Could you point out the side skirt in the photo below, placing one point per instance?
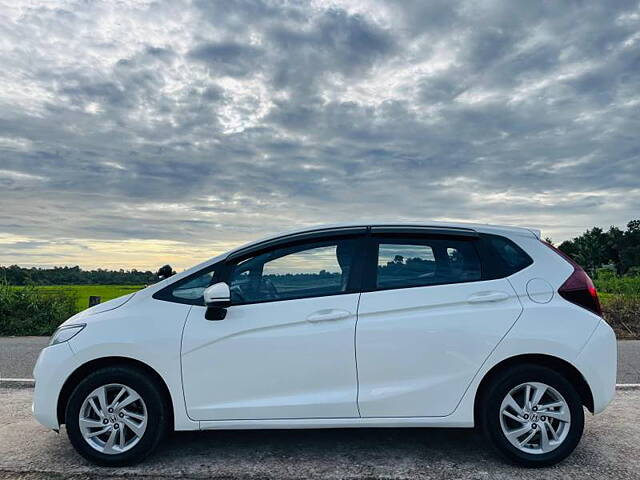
(300, 423)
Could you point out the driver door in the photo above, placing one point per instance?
(286, 347)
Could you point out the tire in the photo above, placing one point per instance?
(136, 425)
(566, 419)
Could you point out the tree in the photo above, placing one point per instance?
(630, 246)
(595, 248)
(165, 272)
(615, 243)
(633, 227)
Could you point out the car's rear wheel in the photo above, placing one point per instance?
(116, 416)
(532, 415)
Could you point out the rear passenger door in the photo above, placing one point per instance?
(431, 313)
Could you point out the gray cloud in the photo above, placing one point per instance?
(231, 59)
(208, 124)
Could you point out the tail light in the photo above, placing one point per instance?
(579, 288)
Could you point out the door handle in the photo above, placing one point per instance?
(327, 315)
(483, 297)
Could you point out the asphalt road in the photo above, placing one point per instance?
(610, 449)
(18, 356)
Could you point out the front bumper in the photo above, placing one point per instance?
(53, 367)
(598, 362)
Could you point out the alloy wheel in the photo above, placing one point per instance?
(535, 418)
(113, 418)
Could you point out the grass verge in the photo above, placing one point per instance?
(39, 310)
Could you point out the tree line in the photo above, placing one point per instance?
(615, 249)
(16, 275)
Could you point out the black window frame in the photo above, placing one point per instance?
(328, 238)
(410, 237)
(363, 277)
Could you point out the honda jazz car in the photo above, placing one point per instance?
(358, 325)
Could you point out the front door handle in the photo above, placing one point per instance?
(328, 315)
(482, 297)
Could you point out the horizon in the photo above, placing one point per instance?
(143, 133)
(198, 261)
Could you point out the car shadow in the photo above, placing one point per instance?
(349, 451)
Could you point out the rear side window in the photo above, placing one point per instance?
(413, 263)
(501, 257)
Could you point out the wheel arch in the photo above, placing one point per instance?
(569, 371)
(83, 370)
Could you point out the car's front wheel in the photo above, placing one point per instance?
(116, 416)
(533, 415)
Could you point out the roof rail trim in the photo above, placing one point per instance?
(294, 237)
(457, 231)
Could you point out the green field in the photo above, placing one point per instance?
(620, 300)
(83, 292)
(618, 285)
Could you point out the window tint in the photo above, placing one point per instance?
(513, 256)
(429, 262)
(405, 264)
(311, 270)
(502, 257)
(193, 288)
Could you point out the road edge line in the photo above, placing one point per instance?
(627, 386)
(17, 382)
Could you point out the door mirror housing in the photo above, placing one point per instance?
(217, 298)
(217, 295)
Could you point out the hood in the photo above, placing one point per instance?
(101, 307)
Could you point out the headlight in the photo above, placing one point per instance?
(64, 334)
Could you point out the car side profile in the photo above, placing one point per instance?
(353, 325)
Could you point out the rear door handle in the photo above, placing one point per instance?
(482, 297)
(328, 315)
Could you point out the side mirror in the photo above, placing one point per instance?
(217, 295)
(217, 298)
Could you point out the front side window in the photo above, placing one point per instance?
(311, 270)
(193, 288)
(412, 263)
(190, 290)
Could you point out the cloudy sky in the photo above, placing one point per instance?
(135, 133)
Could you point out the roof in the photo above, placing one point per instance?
(475, 227)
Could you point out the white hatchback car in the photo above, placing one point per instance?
(439, 325)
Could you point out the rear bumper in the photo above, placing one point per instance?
(598, 362)
(50, 373)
